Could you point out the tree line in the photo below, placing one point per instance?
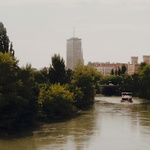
(29, 96)
(138, 83)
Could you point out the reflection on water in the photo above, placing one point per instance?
(108, 125)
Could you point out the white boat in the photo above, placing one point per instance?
(126, 97)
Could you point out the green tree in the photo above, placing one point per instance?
(11, 104)
(116, 71)
(119, 71)
(112, 72)
(110, 89)
(142, 65)
(144, 76)
(135, 84)
(127, 83)
(68, 76)
(86, 79)
(116, 80)
(123, 69)
(56, 102)
(41, 76)
(4, 39)
(57, 70)
(17, 97)
(29, 91)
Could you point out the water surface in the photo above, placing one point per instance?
(108, 125)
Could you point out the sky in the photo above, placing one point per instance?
(111, 30)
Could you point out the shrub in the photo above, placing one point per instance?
(56, 102)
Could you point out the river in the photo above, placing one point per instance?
(108, 125)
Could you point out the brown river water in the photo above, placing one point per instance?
(108, 125)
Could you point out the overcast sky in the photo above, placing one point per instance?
(111, 30)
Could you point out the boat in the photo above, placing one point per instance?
(126, 97)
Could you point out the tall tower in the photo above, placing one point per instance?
(74, 52)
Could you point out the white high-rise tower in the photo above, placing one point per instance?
(74, 52)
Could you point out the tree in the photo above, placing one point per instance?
(41, 76)
(4, 39)
(112, 72)
(85, 78)
(135, 84)
(68, 75)
(116, 80)
(57, 70)
(18, 99)
(119, 71)
(11, 104)
(116, 71)
(109, 81)
(29, 91)
(56, 102)
(142, 65)
(123, 69)
(127, 83)
(144, 76)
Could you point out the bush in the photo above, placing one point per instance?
(56, 102)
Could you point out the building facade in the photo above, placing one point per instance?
(134, 60)
(134, 66)
(107, 67)
(146, 59)
(74, 52)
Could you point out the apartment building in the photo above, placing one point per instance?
(134, 66)
(106, 68)
(146, 58)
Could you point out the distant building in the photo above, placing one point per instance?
(134, 60)
(134, 66)
(106, 68)
(74, 52)
(146, 58)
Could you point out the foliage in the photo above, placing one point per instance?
(142, 65)
(111, 85)
(29, 91)
(41, 76)
(127, 84)
(114, 79)
(85, 78)
(8, 90)
(144, 77)
(57, 70)
(119, 71)
(68, 76)
(56, 102)
(4, 39)
(135, 84)
(123, 69)
(112, 72)
(138, 83)
(17, 109)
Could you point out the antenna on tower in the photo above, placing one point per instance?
(73, 31)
